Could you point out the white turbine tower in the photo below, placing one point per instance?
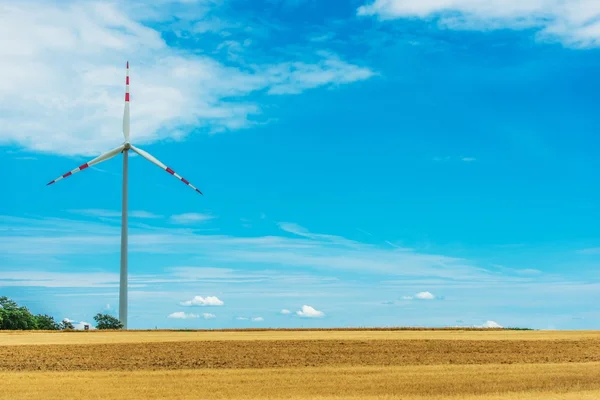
(124, 148)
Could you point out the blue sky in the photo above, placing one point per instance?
(396, 162)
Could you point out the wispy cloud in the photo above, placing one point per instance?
(253, 319)
(574, 22)
(448, 158)
(285, 312)
(67, 71)
(590, 251)
(182, 315)
(29, 237)
(190, 218)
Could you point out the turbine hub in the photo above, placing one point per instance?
(127, 146)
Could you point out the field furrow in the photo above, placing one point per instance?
(291, 353)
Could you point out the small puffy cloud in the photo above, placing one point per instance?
(190, 218)
(81, 325)
(420, 296)
(491, 324)
(309, 312)
(424, 296)
(208, 316)
(182, 315)
(285, 312)
(242, 318)
(203, 301)
(258, 319)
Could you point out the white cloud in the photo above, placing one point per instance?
(63, 78)
(208, 316)
(424, 296)
(301, 231)
(49, 238)
(190, 218)
(285, 312)
(309, 312)
(574, 22)
(295, 77)
(182, 315)
(491, 324)
(60, 279)
(81, 325)
(420, 296)
(203, 301)
(253, 319)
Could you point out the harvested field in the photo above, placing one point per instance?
(106, 337)
(535, 381)
(301, 365)
(291, 353)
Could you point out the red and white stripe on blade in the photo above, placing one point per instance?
(126, 125)
(156, 162)
(106, 156)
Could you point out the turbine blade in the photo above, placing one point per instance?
(106, 156)
(156, 162)
(126, 126)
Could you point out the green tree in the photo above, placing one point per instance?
(13, 317)
(105, 321)
(46, 322)
(65, 325)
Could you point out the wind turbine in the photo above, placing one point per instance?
(124, 148)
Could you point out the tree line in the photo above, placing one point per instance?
(15, 317)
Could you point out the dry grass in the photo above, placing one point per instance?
(370, 365)
(540, 381)
(82, 337)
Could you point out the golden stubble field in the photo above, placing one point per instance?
(363, 364)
